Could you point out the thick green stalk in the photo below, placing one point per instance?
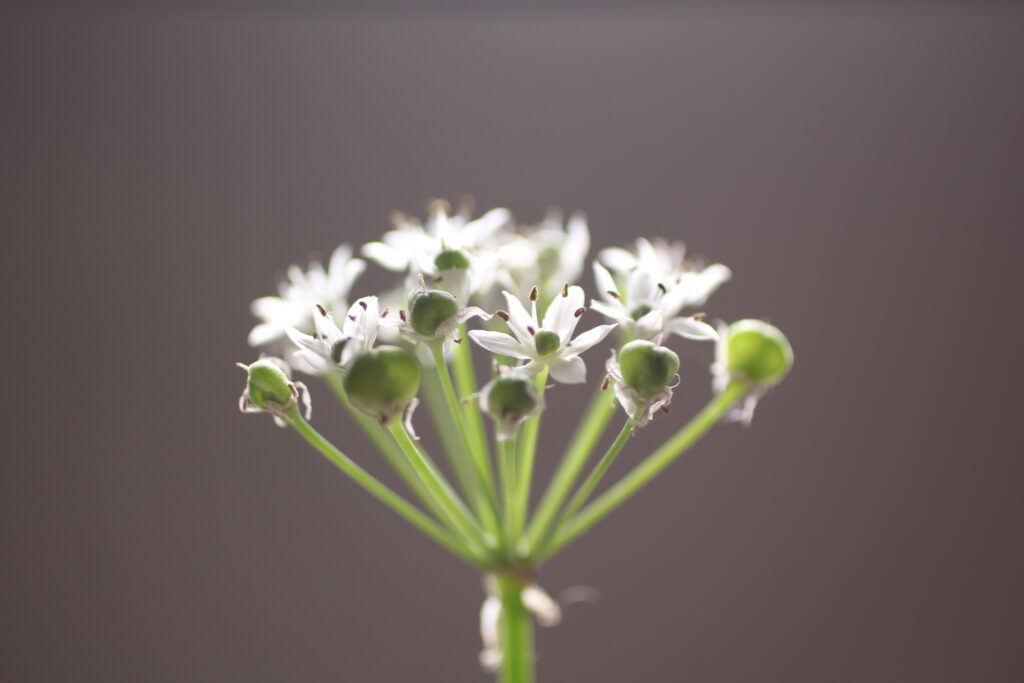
(454, 509)
(516, 633)
(507, 463)
(461, 547)
(591, 482)
(527, 455)
(649, 468)
(599, 412)
(481, 462)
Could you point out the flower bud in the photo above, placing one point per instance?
(268, 383)
(757, 352)
(381, 382)
(647, 368)
(510, 399)
(451, 259)
(430, 309)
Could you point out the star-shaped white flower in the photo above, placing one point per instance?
(649, 306)
(660, 258)
(547, 343)
(330, 348)
(414, 248)
(303, 290)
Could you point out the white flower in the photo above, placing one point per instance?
(650, 306)
(330, 348)
(301, 291)
(412, 247)
(660, 258)
(548, 343)
(640, 410)
(548, 254)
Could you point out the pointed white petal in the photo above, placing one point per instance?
(650, 324)
(499, 342)
(615, 312)
(386, 256)
(617, 259)
(519, 319)
(692, 328)
(589, 338)
(561, 314)
(570, 370)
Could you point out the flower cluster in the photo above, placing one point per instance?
(519, 287)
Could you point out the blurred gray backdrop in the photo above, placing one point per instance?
(859, 167)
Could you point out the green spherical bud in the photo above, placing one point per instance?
(429, 309)
(451, 259)
(511, 397)
(647, 368)
(546, 342)
(757, 352)
(269, 383)
(640, 311)
(382, 381)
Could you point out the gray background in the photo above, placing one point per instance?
(858, 167)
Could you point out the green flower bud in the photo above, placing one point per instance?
(269, 383)
(510, 399)
(647, 368)
(381, 382)
(546, 342)
(429, 309)
(451, 259)
(757, 352)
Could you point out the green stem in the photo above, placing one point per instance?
(384, 494)
(591, 482)
(481, 462)
(599, 412)
(527, 455)
(454, 509)
(465, 382)
(649, 468)
(516, 633)
(437, 405)
(380, 438)
(507, 462)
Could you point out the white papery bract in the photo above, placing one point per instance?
(649, 305)
(330, 348)
(546, 343)
(548, 254)
(301, 291)
(412, 247)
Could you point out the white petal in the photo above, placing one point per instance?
(650, 324)
(613, 311)
(561, 314)
(386, 256)
(590, 338)
(692, 328)
(617, 259)
(499, 342)
(519, 319)
(263, 334)
(641, 288)
(605, 282)
(570, 370)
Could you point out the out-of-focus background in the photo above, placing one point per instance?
(859, 167)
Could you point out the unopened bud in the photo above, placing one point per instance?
(757, 352)
(268, 383)
(381, 382)
(430, 309)
(510, 399)
(647, 368)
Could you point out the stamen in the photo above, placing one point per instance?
(699, 317)
(295, 392)
(612, 293)
(565, 289)
(363, 304)
(663, 288)
(322, 310)
(604, 384)
(385, 313)
(351, 317)
(401, 314)
(530, 329)
(580, 311)
(664, 409)
(457, 340)
(534, 293)
(502, 314)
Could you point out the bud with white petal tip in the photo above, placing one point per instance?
(647, 368)
(510, 399)
(756, 353)
(382, 382)
(270, 388)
